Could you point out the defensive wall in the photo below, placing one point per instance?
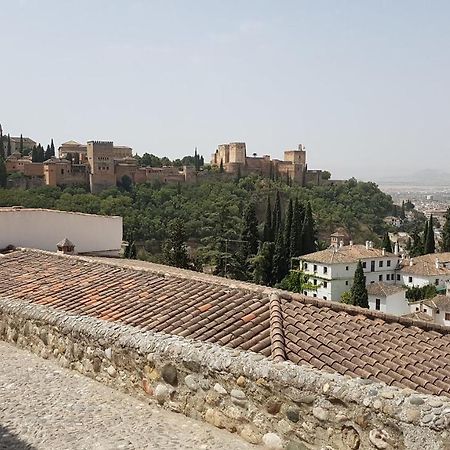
(277, 403)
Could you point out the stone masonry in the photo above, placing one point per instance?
(279, 404)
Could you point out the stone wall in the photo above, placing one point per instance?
(279, 404)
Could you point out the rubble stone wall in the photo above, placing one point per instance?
(281, 405)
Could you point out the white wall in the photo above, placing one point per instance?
(422, 280)
(43, 229)
(392, 304)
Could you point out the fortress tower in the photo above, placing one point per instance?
(100, 155)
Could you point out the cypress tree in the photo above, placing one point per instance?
(296, 240)
(387, 245)
(309, 239)
(34, 154)
(268, 230)
(446, 233)
(249, 232)
(417, 245)
(280, 262)
(221, 166)
(48, 153)
(52, 148)
(358, 292)
(424, 238)
(8, 148)
(2, 145)
(402, 211)
(21, 145)
(288, 230)
(430, 243)
(3, 174)
(276, 217)
(263, 264)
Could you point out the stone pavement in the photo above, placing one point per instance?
(43, 406)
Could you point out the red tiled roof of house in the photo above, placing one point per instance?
(325, 335)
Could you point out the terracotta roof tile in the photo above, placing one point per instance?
(324, 335)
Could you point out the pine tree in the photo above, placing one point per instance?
(276, 216)
(174, 250)
(263, 263)
(3, 174)
(309, 240)
(249, 232)
(268, 230)
(8, 148)
(21, 145)
(288, 230)
(430, 242)
(358, 292)
(296, 240)
(387, 245)
(446, 233)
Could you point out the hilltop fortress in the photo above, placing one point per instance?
(101, 165)
(234, 160)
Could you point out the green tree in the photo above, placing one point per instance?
(280, 259)
(21, 145)
(430, 242)
(417, 245)
(446, 233)
(221, 170)
(402, 211)
(276, 215)
(268, 230)
(3, 174)
(263, 264)
(8, 146)
(359, 296)
(346, 297)
(293, 282)
(2, 145)
(288, 230)
(296, 241)
(249, 232)
(309, 242)
(174, 249)
(387, 245)
(126, 183)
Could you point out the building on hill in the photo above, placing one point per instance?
(432, 269)
(331, 271)
(436, 308)
(16, 163)
(285, 327)
(233, 157)
(90, 233)
(28, 144)
(388, 298)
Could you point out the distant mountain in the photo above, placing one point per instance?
(428, 177)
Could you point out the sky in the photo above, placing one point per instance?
(363, 84)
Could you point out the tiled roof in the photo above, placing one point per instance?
(345, 254)
(419, 315)
(326, 335)
(384, 289)
(426, 265)
(440, 301)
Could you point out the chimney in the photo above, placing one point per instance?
(341, 244)
(411, 262)
(367, 245)
(65, 247)
(383, 251)
(396, 249)
(437, 263)
(351, 243)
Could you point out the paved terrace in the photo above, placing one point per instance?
(43, 406)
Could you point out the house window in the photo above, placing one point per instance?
(325, 297)
(364, 265)
(425, 310)
(409, 279)
(417, 308)
(305, 293)
(325, 284)
(315, 267)
(447, 316)
(305, 266)
(377, 304)
(388, 277)
(380, 277)
(380, 264)
(436, 282)
(346, 283)
(315, 282)
(325, 270)
(346, 268)
(398, 277)
(314, 295)
(388, 263)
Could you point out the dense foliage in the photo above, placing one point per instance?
(212, 212)
(420, 293)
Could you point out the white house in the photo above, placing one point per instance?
(424, 270)
(331, 271)
(44, 228)
(436, 308)
(388, 298)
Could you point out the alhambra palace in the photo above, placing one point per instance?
(101, 165)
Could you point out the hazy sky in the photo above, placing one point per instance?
(363, 84)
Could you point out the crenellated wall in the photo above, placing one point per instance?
(279, 404)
